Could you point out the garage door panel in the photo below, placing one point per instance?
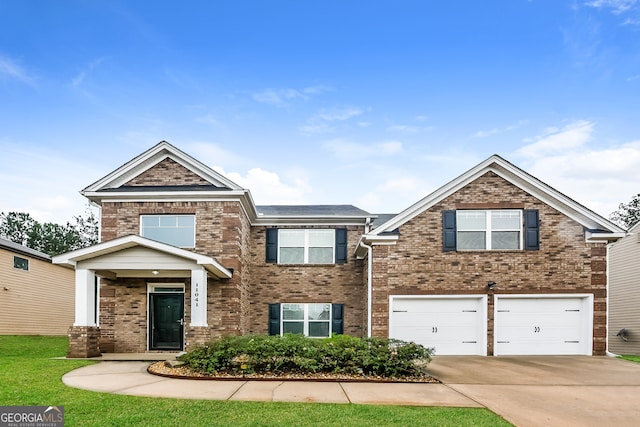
(545, 326)
(452, 326)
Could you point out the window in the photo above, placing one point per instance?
(311, 246)
(489, 230)
(176, 230)
(21, 263)
(312, 320)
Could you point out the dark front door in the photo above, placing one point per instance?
(166, 321)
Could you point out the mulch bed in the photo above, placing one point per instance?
(165, 369)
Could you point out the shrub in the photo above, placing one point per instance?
(296, 354)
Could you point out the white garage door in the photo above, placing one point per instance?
(453, 325)
(551, 325)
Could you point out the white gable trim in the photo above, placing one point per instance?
(152, 157)
(517, 177)
(71, 259)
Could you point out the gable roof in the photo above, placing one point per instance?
(70, 259)
(152, 157)
(23, 250)
(598, 228)
(112, 187)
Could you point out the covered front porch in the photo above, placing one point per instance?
(135, 295)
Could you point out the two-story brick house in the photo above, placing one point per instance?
(494, 262)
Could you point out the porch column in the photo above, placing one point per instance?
(84, 335)
(199, 297)
(86, 304)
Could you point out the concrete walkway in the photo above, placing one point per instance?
(132, 378)
(525, 390)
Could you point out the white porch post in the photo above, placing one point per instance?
(85, 298)
(199, 297)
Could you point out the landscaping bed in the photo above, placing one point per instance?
(293, 357)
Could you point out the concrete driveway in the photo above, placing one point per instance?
(547, 390)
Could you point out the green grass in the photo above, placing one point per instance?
(630, 358)
(29, 376)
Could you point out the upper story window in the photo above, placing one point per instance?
(489, 229)
(20, 263)
(310, 246)
(306, 246)
(176, 230)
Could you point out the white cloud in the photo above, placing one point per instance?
(213, 155)
(77, 81)
(598, 177)
(348, 150)
(267, 188)
(555, 140)
(403, 128)
(391, 147)
(494, 131)
(337, 114)
(282, 97)
(616, 6)
(394, 194)
(50, 190)
(208, 119)
(320, 122)
(14, 71)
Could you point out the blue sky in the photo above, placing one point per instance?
(369, 103)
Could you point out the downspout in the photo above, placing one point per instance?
(369, 285)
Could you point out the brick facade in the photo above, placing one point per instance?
(417, 265)
(336, 284)
(414, 265)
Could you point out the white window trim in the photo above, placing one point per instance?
(488, 229)
(306, 244)
(16, 257)
(174, 215)
(157, 287)
(305, 319)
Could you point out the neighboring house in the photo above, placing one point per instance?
(494, 262)
(624, 294)
(36, 297)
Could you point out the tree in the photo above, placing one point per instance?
(628, 214)
(50, 238)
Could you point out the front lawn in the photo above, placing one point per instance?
(630, 358)
(28, 376)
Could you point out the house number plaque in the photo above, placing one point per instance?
(196, 294)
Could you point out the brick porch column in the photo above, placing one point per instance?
(84, 335)
(84, 341)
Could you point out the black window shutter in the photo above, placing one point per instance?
(448, 231)
(274, 319)
(272, 245)
(531, 230)
(341, 245)
(337, 318)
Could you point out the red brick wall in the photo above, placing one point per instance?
(336, 284)
(417, 265)
(222, 232)
(167, 172)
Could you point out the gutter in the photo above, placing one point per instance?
(369, 285)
